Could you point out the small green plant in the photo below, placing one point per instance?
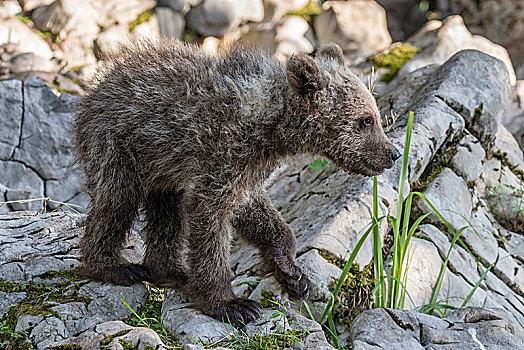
(318, 164)
(394, 60)
(9, 339)
(149, 316)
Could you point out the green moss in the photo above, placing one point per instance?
(394, 60)
(312, 8)
(66, 347)
(143, 17)
(280, 340)
(127, 346)
(190, 36)
(23, 19)
(356, 294)
(73, 275)
(332, 259)
(104, 343)
(267, 298)
(36, 309)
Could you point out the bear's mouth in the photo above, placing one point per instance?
(375, 169)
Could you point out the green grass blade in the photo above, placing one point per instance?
(348, 265)
(482, 278)
(400, 201)
(380, 295)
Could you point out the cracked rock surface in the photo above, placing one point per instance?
(36, 151)
(467, 328)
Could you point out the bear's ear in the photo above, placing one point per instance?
(303, 75)
(331, 51)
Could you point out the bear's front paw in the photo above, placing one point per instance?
(238, 311)
(297, 285)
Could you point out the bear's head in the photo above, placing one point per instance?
(339, 118)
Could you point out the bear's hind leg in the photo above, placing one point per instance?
(165, 240)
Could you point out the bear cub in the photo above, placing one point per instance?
(191, 138)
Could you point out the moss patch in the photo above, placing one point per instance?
(311, 9)
(143, 17)
(66, 347)
(267, 298)
(280, 340)
(356, 294)
(39, 299)
(394, 59)
(104, 343)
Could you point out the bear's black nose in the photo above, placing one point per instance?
(395, 155)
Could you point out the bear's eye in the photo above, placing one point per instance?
(367, 121)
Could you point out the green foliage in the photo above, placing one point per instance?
(318, 164)
(150, 316)
(9, 339)
(24, 19)
(312, 8)
(143, 17)
(394, 60)
(190, 36)
(356, 294)
(284, 338)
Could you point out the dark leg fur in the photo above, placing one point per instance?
(210, 280)
(164, 239)
(114, 207)
(260, 224)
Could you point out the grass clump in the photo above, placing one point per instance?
(9, 339)
(318, 164)
(150, 316)
(143, 17)
(394, 60)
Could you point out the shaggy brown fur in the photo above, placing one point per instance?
(191, 138)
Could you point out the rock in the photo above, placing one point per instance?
(75, 25)
(216, 18)
(47, 332)
(434, 94)
(284, 38)
(181, 6)
(29, 62)
(170, 23)
(500, 22)
(447, 185)
(274, 10)
(8, 300)
(471, 327)
(109, 39)
(347, 24)
(190, 325)
(423, 266)
(34, 245)
(467, 162)
(37, 147)
(18, 33)
(441, 40)
(501, 188)
(11, 100)
(404, 17)
(112, 334)
(506, 144)
(9, 8)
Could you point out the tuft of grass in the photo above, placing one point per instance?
(143, 17)
(150, 316)
(394, 60)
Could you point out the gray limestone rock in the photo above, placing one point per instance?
(465, 328)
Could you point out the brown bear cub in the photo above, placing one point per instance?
(191, 138)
